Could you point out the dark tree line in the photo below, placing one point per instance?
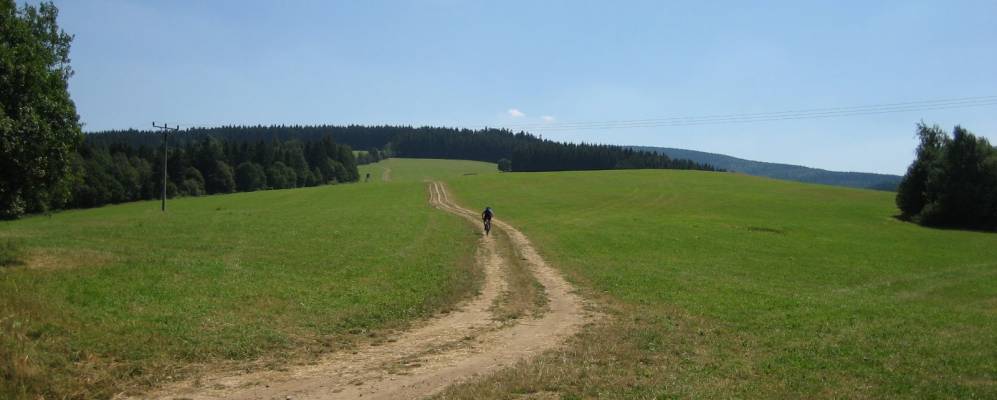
(952, 182)
(528, 153)
(120, 171)
(524, 151)
(119, 166)
(356, 136)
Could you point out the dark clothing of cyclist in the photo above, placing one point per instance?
(486, 217)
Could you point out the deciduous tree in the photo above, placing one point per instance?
(39, 127)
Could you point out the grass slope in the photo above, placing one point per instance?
(125, 296)
(724, 285)
(423, 169)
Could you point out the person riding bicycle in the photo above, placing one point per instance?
(486, 217)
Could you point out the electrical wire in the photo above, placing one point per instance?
(815, 113)
(721, 119)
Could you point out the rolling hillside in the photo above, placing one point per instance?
(126, 297)
(714, 285)
(732, 286)
(862, 180)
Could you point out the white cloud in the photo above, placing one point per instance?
(548, 118)
(515, 113)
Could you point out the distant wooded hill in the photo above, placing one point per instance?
(863, 180)
(118, 166)
(525, 152)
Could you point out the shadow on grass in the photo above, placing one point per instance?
(943, 227)
(11, 252)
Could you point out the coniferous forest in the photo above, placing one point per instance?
(119, 166)
(119, 171)
(526, 152)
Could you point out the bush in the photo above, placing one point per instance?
(191, 187)
(221, 179)
(249, 176)
(280, 176)
(11, 252)
(193, 182)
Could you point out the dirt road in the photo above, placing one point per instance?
(436, 353)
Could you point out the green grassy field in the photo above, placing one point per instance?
(126, 296)
(718, 285)
(724, 285)
(423, 169)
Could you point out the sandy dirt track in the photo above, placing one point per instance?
(436, 353)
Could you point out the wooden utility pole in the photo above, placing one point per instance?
(165, 128)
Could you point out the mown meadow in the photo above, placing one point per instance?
(723, 285)
(125, 297)
(425, 169)
(715, 284)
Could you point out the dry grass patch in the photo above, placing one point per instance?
(634, 354)
(53, 259)
(524, 296)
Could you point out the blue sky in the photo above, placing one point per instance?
(472, 63)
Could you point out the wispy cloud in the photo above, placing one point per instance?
(548, 118)
(515, 113)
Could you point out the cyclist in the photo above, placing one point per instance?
(486, 217)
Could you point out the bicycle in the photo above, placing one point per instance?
(486, 218)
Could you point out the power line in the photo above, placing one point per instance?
(895, 107)
(923, 103)
(814, 113)
(765, 119)
(722, 119)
